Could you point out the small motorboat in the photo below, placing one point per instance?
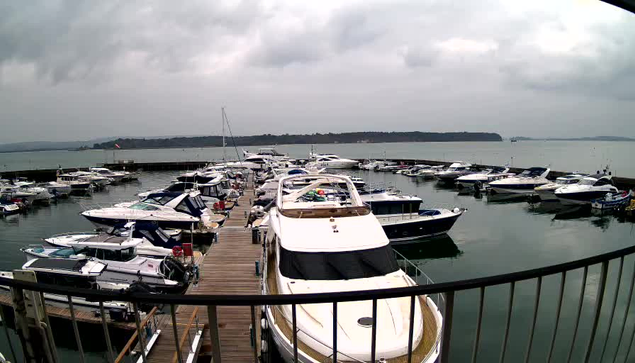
(430, 172)
(7, 207)
(612, 201)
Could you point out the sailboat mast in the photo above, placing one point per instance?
(223, 118)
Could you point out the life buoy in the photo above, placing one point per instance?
(177, 251)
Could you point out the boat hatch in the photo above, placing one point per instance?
(58, 264)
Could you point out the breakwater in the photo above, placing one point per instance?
(42, 175)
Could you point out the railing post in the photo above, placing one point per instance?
(6, 332)
(447, 326)
(294, 323)
(104, 324)
(598, 307)
(335, 331)
(533, 321)
(617, 293)
(479, 321)
(139, 332)
(626, 311)
(213, 333)
(577, 319)
(254, 332)
(373, 339)
(175, 331)
(411, 328)
(78, 340)
(558, 311)
(510, 305)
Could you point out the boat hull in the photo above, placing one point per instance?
(582, 198)
(514, 188)
(418, 227)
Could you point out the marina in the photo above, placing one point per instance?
(529, 229)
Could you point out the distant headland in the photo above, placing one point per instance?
(287, 139)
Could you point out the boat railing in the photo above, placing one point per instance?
(585, 294)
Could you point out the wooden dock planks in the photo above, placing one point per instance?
(227, 268)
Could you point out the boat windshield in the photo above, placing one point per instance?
(123, 255)
(337, 265)
(66, 252)
(588, 181)
(143, 206)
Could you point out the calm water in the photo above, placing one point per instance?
(560, 155)
(493, 237)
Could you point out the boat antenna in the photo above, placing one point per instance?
(231, 134)
(223, 121)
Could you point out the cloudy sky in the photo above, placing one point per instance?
(72, 70)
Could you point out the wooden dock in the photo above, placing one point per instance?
(228, 267)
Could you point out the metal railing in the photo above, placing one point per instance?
(594, 344)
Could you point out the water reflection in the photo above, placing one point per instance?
(499, 198)
(430, 248)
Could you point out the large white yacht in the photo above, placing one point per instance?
(547, 192)
(169, 210)
(524, 183)
(587, 190)
(324, 239)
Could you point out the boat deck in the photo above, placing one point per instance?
(228, 267)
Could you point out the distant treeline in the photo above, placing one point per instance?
(268, 139)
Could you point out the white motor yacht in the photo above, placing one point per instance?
(267, 153)
(524, 183)
(403, 221)
(332, 161)
(588, 189)
(430, 172)
(331, 242)
(79, 185)
(168, 210)
(57, 190)
(82, 273)
(123, 264)
(99, 181)
(152, 240)
(14, 192)
(547, 192)
(482, 179)
(455, 170)
(116, 176)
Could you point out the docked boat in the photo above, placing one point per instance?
(547, 192)
(123, 264)
(403, 221)
(13, 192)
(455, 170)
(588, 189)
(57, 190)
(79, 185)
(153, 241)
(332, 161)
(524, 183)
(7, 207)
(211, 192)
(266, 153)
(168, 210)
(98, 181)
(334, 245)
(116, 176)
(83, 273)
(414, 171)
(429, 173)
(612, 201)
(482, 179)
